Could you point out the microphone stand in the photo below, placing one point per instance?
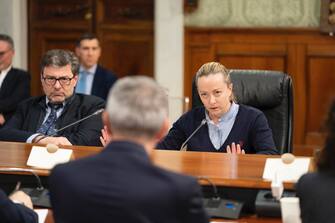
(215, 190)
(39, 195)
(16, 169)
(184, 145)
(71, 124)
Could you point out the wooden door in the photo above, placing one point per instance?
(124, 28)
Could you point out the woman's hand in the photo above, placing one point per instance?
(235, 149)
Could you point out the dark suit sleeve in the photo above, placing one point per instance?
(175, 138)
(15, 213)
(57, 181)
(261, 136)
(17, 89)
(110, 81)
(86, 133)
(305, 203)
(102, 83)
(13, 128)
(193, 210)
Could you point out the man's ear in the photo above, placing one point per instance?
(106, 122)
(77, 51)
(164, 129)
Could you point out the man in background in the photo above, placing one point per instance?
(39, 119)
(121, 184)
(93, 78)
(14, 83)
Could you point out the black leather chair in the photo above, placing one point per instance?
(269, 91)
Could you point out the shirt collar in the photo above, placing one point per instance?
(3, 74)
(5, 71)
(89, 71)
(226, 116)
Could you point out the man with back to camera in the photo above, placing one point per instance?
(93, 78)
(14, 83)
(38, 118)
(121, 184)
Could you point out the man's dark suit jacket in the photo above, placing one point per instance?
(15, 213)
(122, 185)
(30, 115)
(14, 89)
(317, 196)
(102, 82)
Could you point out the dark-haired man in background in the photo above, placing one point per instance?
(93, 78)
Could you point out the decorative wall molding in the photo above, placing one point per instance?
(255, 13)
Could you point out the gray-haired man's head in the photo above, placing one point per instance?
(137, 107)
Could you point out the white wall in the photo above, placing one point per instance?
(255, 13)
(169, 54)
(14, 22)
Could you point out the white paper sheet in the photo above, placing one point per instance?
(42, 214)
(39, 157)
(285, 172)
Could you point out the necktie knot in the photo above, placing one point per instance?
(55, 107)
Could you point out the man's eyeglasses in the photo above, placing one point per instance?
(51, 81)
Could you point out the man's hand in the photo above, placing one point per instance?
(21, 197)
(56, 140)
(235, 149)
(2, 119)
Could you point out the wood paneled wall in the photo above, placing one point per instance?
(305, 54)
(125, 30)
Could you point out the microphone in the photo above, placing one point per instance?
(267, 202)
(277, 187)
(78, 121)
(184, 146)
(71, 124)
(217, 207)
(52, 148)
(287, 158)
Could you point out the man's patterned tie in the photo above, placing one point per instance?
(48, 127)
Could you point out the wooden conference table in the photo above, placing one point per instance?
(241, 171)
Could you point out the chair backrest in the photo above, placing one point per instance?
(270, 92)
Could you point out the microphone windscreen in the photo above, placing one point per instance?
(52, 148)
(287, 158)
